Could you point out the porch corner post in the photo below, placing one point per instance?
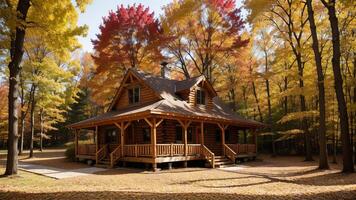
(223, 140)
(202, 132)
(185, 141)
(154, 137)
(122, 132)
(96, 144)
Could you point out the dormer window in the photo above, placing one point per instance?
(134, 95)
(200, 97)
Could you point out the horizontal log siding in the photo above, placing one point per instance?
(210, 139)
(146, 95)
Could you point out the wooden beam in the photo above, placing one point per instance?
(127, 125)
(118, 125)
(185, 141)
(154, 137)
(122, 132)
(159, 122)
(148, 122)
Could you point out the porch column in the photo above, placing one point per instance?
(96, 144)
(122, 132)
(154, 124)
(154, 137)
(222, 128)
(122, 127)
(202, 132)
(185, 125)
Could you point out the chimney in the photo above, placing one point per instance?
(165, 71)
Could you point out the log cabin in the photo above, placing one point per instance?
(156, 120)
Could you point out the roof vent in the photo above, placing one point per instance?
(165, 70)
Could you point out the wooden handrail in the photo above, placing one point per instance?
(115, 156)
(209, 155)
(101, 153)
(230, 153)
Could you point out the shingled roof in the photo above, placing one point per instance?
(172, 104)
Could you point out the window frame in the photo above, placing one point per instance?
(134, 95)
(200, 97)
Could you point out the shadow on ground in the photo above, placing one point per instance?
(145, 195)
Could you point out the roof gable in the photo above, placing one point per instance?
(129, 78)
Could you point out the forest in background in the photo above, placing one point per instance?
(278, 65)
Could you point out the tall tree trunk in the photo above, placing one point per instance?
(32, 122)
(16, 53)
(269, 104)
(323, 159)
(23, 115)
(41, 132)
(354, 113)
(303, 107)
(348, 165)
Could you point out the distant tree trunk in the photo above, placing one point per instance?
(41, 132)
(23, 115)
(16, 53)
(269, 103)
(354, 114)
(323, 159)
(303, 107)
(32, 120)
(348, 165)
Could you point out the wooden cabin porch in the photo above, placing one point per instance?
(163, 140)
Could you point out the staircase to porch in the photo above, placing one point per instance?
(222, 161)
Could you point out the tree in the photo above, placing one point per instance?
(17, 18)
(202, 34)
(348, 165)
(129, 38)
(323, 159)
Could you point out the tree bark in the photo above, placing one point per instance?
(16, 53)
(323, 159)
(348, 165)
(32, 120)
(41, 132)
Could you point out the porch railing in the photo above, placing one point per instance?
(243, 148)
(86, 149)
(163, 150)
(101, 153)
(208, 155)
(138, 150)
(231, 154)
(194, 149)
(115, 156)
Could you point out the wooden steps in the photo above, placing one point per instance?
(222, 161)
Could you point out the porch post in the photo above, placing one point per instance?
(202, 132)
(185, 141)
(223, 127)
(122, 132)
(96, 144)
(154, 137)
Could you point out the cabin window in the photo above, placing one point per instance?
(134, 95)
(218, 135)
(111, 136)
(179, 134)
(200, 96)
(146, 135)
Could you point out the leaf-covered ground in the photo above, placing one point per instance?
(271, 178)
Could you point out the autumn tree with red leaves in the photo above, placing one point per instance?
(130, 37)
